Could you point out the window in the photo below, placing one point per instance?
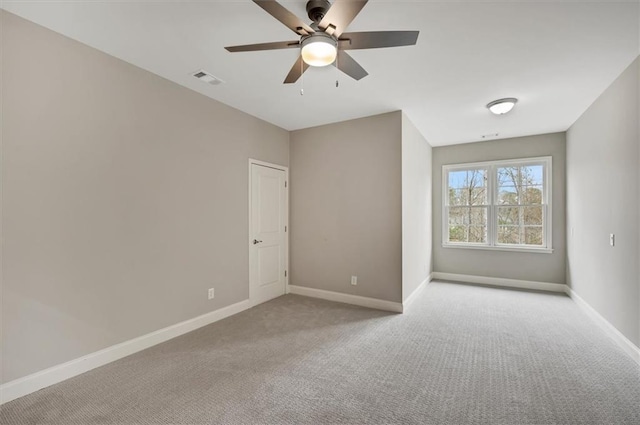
(498, 205)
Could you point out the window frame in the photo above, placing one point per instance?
(492, 206)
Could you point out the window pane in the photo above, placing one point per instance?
(477, 234)
(533, 235)
(478, 196)
(476, 178)
(508, 195)
(467, 178)
(458, 197)
(477, 216)
(468, 224)
(457, 234)
(468, 196)
(458, 216)
(509, 234)
(532, 216)
(531, 195)
(508, 215)
(457, 179)
(471, 234)
(520, 185)
(468, 187)
(508, 176)
(532, 174)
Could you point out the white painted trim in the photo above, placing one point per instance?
(286, 220)
(496, 248)
(498, 281)
(44, 378)
(613, 333)
(347, 298)
(415, 292)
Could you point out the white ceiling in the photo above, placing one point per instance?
(556, 57)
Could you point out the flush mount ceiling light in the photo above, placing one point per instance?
(502, 106)
(319, 49)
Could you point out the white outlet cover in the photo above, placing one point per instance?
(211, 293)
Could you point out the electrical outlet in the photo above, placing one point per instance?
(354, 280)
(212, 293)
(612, 239)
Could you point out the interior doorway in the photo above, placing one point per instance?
(268, 231)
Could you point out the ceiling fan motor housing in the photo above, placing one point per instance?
(318, 36)
(316, 9)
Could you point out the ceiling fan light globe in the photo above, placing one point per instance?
(319, 51)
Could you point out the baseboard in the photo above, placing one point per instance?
(347, 298)
(498, 281)
(406, 303)
(613, 333)
(44, 378)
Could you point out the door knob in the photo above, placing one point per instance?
(255, 241)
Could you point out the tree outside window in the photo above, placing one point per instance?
(498, 204)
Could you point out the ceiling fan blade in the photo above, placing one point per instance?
(377, 39)
(349, 66)
(297, 70)
(264, 46)
(340, 15)
(283, 15)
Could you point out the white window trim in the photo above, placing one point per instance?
(492, 195)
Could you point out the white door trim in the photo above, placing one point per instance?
(252, 161)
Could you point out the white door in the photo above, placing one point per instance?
(267, 234)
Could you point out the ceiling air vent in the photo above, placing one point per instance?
(489, 136)
(207, 78)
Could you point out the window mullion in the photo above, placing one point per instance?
(519, 187)
(492, 216)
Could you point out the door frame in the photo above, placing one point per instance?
(253, 162)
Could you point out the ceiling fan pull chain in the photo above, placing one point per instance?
(301, 78)
(337, 73)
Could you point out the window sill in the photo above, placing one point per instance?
(501, 248)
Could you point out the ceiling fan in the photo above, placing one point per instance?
(324, 41)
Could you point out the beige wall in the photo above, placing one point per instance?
(509, 265)
(124, 199)
(603, 158)
(346, 207)
(416, 208)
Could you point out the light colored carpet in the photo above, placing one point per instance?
(461, 354)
